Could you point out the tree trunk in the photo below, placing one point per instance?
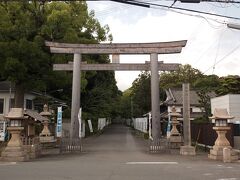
(19, 96)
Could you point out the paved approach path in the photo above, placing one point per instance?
(117, 154)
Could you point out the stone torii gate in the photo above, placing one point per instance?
(115, 49)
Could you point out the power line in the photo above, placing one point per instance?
(149, 5)
(218, 47)
(189, 10)
(223, 58)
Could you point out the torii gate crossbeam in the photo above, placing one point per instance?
(116, 67)
(123, 48)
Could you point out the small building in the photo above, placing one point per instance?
(175, 98)
(231, 102)
(7, 98)
(31, 107)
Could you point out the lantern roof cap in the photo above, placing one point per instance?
(45, 111)
(220, 113)
(15, 113)
(174, 112)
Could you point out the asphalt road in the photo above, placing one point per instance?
(117, 154)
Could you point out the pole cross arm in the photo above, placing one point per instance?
(116, 67)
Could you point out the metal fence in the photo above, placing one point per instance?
(159, 145)
(30, 140)
(68, 145)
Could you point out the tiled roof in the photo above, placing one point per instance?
(35, 115)
(175, 97)
(5, 86)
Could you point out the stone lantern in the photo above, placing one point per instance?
(14, 150)
(175, 136)
(45, 135)
(221, 117)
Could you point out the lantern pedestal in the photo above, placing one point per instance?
(175, 137)
(45, 131)
(221, 142)
(14, 150)
(45, 135)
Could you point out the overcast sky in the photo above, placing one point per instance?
(210, 43)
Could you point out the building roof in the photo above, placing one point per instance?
(175, 97)
(36, 116)
(5, 86)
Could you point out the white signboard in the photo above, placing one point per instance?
(90, 125)
(59, 122)
(2, 130)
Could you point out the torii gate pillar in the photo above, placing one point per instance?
(76, 88)
(156, 130)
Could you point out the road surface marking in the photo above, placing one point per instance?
(150, 163)
(207, 174)
(227, 179)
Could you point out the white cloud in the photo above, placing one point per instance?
(208, 41)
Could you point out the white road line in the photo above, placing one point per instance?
(207, 174)
(227, 179)
(150, 163)
(7, 163)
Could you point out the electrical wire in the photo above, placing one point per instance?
(141, 3)
(223, 58)
(218, 47)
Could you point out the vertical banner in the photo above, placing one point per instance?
(90, 125)
(169, 126)
(80, 122)
(2, 130)
(59, 122)
(150, 126)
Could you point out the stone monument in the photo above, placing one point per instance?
(221, 127)
(14, 150)
(175, 137)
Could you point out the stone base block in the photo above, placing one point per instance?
(46, 139)
(187, 150)
(33, 151)
(217, 154)
(14, 154)
(14, 159)
(176, 139)
(175, 142)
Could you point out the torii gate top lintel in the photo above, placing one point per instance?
(118, 48)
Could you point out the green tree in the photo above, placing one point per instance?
(229, 85)
(25, 25)
(126, 104)
(141, 94)
(205, 88)
(185, 74)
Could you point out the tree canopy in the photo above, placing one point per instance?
(26, 61)
(138, 97)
